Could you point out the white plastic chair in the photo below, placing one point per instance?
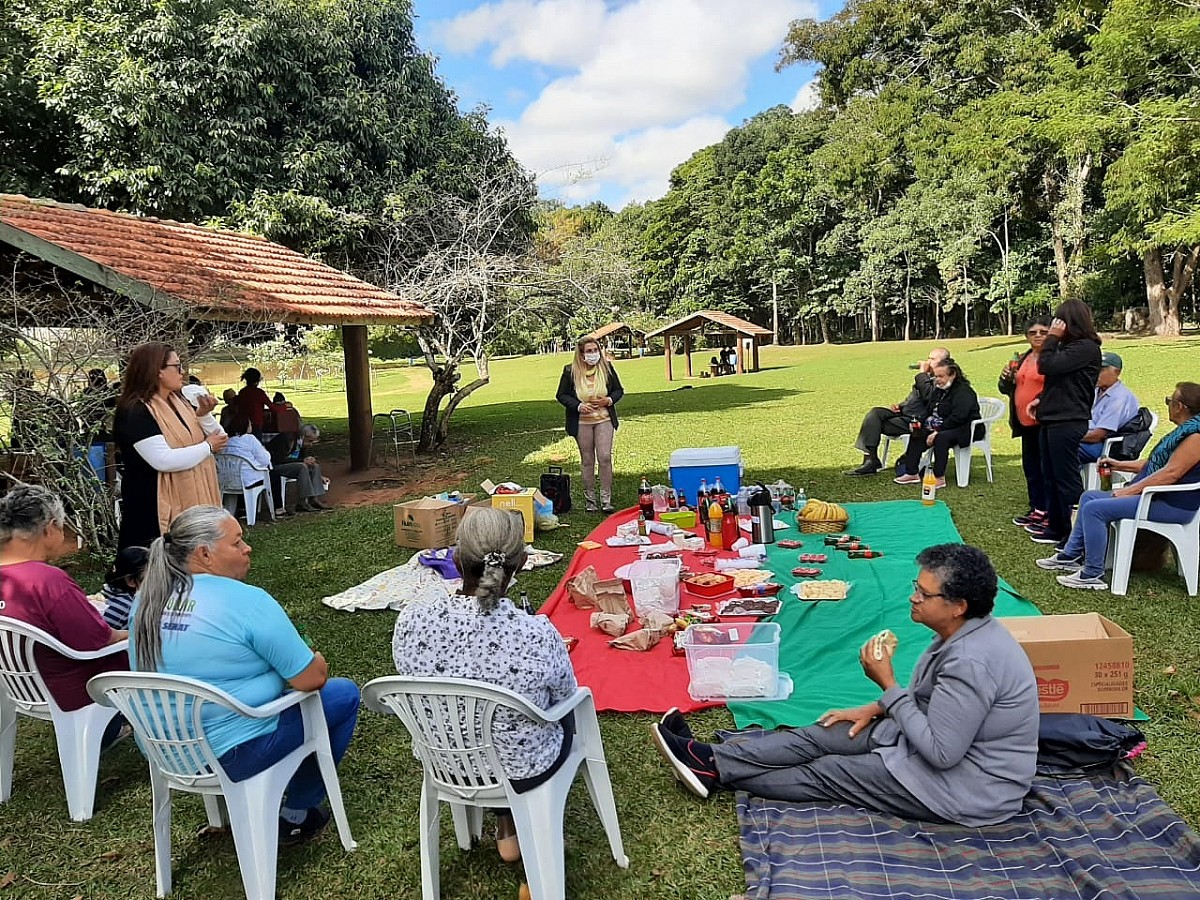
(902, 440)
(164, 711)
(77, 733)
(229, 476)
(1185, 540)
(1090, 472)
(991, 410)
(450, 721)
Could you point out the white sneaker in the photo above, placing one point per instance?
(1060, 563)
(1082, 582)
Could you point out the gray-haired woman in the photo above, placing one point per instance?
(44, 596)
(479, 634)
(194, 616)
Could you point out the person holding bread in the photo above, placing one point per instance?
(958, 744)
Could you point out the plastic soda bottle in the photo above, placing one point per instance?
(716, 516)
(719, 490)
(702, 493)
(929, 488)
(642, 524)
(864, 554)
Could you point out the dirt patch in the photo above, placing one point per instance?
(387, 484)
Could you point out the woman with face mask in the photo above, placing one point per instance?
(954, 406)
(590, 390)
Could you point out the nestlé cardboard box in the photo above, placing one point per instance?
(427, 523)
(1083, 662)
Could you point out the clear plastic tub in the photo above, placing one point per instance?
(655, 585)
(733, 660)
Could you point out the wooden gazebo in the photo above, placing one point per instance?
(217, 275)
(611, 335)
(748, 336)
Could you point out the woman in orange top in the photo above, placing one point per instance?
(1022, 382)
(590, 390)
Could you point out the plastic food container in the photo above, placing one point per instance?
(733, 661)
(724, 586)
(679, 519)
(655, 585)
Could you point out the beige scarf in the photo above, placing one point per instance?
(196, 486)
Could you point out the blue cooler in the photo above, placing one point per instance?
(690, 465)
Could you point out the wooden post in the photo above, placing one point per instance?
(754, 342)
(358, 394)
(667, 346)
(741, 355)
(687, 353)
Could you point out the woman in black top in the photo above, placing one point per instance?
(590, 390)
(953, 408)
(1070, 363)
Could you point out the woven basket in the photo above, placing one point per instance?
(820, 526)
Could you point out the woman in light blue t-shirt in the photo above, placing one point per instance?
(194, 616)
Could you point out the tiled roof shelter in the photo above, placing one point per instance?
(747, 335)
(218, 274)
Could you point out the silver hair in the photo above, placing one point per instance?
(310, 431)
(490, 547)
(167, 581)
(28, 510)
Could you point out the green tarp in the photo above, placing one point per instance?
(820, 641)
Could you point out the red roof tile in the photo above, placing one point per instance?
(224, 275)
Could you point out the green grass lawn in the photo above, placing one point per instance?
(797, 420)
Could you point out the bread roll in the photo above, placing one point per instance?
(884, 644)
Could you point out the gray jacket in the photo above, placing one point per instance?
(962, 737)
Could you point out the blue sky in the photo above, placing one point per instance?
(602, 98)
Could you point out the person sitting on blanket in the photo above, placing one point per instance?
(959, 744)
(479, 634)
(1175, 460)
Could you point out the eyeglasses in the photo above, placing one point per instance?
(178, 366)
(1172, 400)
(1035, 332)
(919, 591)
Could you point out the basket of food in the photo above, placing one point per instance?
(822, 517)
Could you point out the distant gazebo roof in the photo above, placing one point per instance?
(614, 328)
(749, 336)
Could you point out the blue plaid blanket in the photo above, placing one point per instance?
(1107, 836)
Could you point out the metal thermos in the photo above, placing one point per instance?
(762, 517)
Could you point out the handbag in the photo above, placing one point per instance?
(1075, 743)
(556, 486)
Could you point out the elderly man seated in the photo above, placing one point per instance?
(1114, 405)
(958, 743)
(897, 420)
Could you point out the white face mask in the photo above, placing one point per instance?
(591, 358)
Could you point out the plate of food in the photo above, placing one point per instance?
(789, 544)
(756, 607)
(806, 572)
(709, 584)
(829, 589)
(745, 577)
(813, 558)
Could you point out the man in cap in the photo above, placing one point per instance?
(1114, 405)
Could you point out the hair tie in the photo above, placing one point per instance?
(166, 538)
(495, 558)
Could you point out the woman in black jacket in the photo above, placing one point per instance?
(953, 407)
(1021, 381)
(1070, 363)
(590, 390)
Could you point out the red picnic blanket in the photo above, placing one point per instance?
(622, 680)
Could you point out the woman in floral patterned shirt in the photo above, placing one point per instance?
(479, 634)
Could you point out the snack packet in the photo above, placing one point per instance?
(612, 624)
(642, 640)
(582, 588)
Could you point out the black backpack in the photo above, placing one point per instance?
(1135, 435)
(556, 486)
(1073, 743)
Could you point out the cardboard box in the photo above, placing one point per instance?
(427, 523)
(1083, 662)
(522, 503)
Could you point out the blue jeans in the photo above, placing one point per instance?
(1089, 453)
(1089, 537)
(340, 699)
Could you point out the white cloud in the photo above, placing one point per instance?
(808, 97)
(645, 83)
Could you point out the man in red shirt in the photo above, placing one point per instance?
(46, 597)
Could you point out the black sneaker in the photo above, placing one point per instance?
(674, 722)
(697, 776)
(870, 467)
(294, 834)
(1043, 535)
(1033, 517)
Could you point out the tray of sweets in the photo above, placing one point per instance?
(754, 607)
